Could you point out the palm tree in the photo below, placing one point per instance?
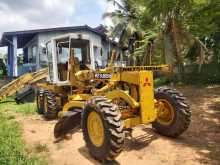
(170, 20)
(124, 19)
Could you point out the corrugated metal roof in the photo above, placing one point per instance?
(26, 34)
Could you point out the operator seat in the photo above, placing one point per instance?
(76, 64)
(74, 68)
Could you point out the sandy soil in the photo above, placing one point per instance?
(200, 144)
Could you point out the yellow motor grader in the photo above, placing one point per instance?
(107, 102)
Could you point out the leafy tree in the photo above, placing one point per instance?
(179, 26)
(124, 19)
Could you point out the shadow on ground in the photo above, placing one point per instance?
(141, 141)
(134, 143)
(204, 132)
(85, 153)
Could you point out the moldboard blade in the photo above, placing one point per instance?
(65, 125)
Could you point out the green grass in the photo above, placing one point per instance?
(25, 109)
(41, 148)
(161, 81)
(12, 147)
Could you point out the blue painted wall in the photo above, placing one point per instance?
(10, 60)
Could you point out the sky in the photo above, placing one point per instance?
(33, 14)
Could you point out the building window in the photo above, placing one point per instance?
(33, 54)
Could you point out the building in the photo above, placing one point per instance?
(25, 47)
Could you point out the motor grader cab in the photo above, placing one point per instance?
(107, 102)
(67, 55)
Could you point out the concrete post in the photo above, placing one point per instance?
(38, 55)
(10, 60)
(15, 61)
(37, 60)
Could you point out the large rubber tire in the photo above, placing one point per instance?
(40, 101)
(113, 129)
(50, 106)
(182, 113)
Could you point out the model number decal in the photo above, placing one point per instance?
(103, 75)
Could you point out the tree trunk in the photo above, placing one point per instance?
(148, 53)
(173, 29)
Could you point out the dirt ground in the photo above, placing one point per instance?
(200, 144)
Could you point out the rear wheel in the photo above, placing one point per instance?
(102, 129)
(173, 112)
(50, 106)
(40, 101)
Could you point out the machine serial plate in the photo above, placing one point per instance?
(103, 75)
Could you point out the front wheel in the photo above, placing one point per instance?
(174, 115)
(102, 129)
